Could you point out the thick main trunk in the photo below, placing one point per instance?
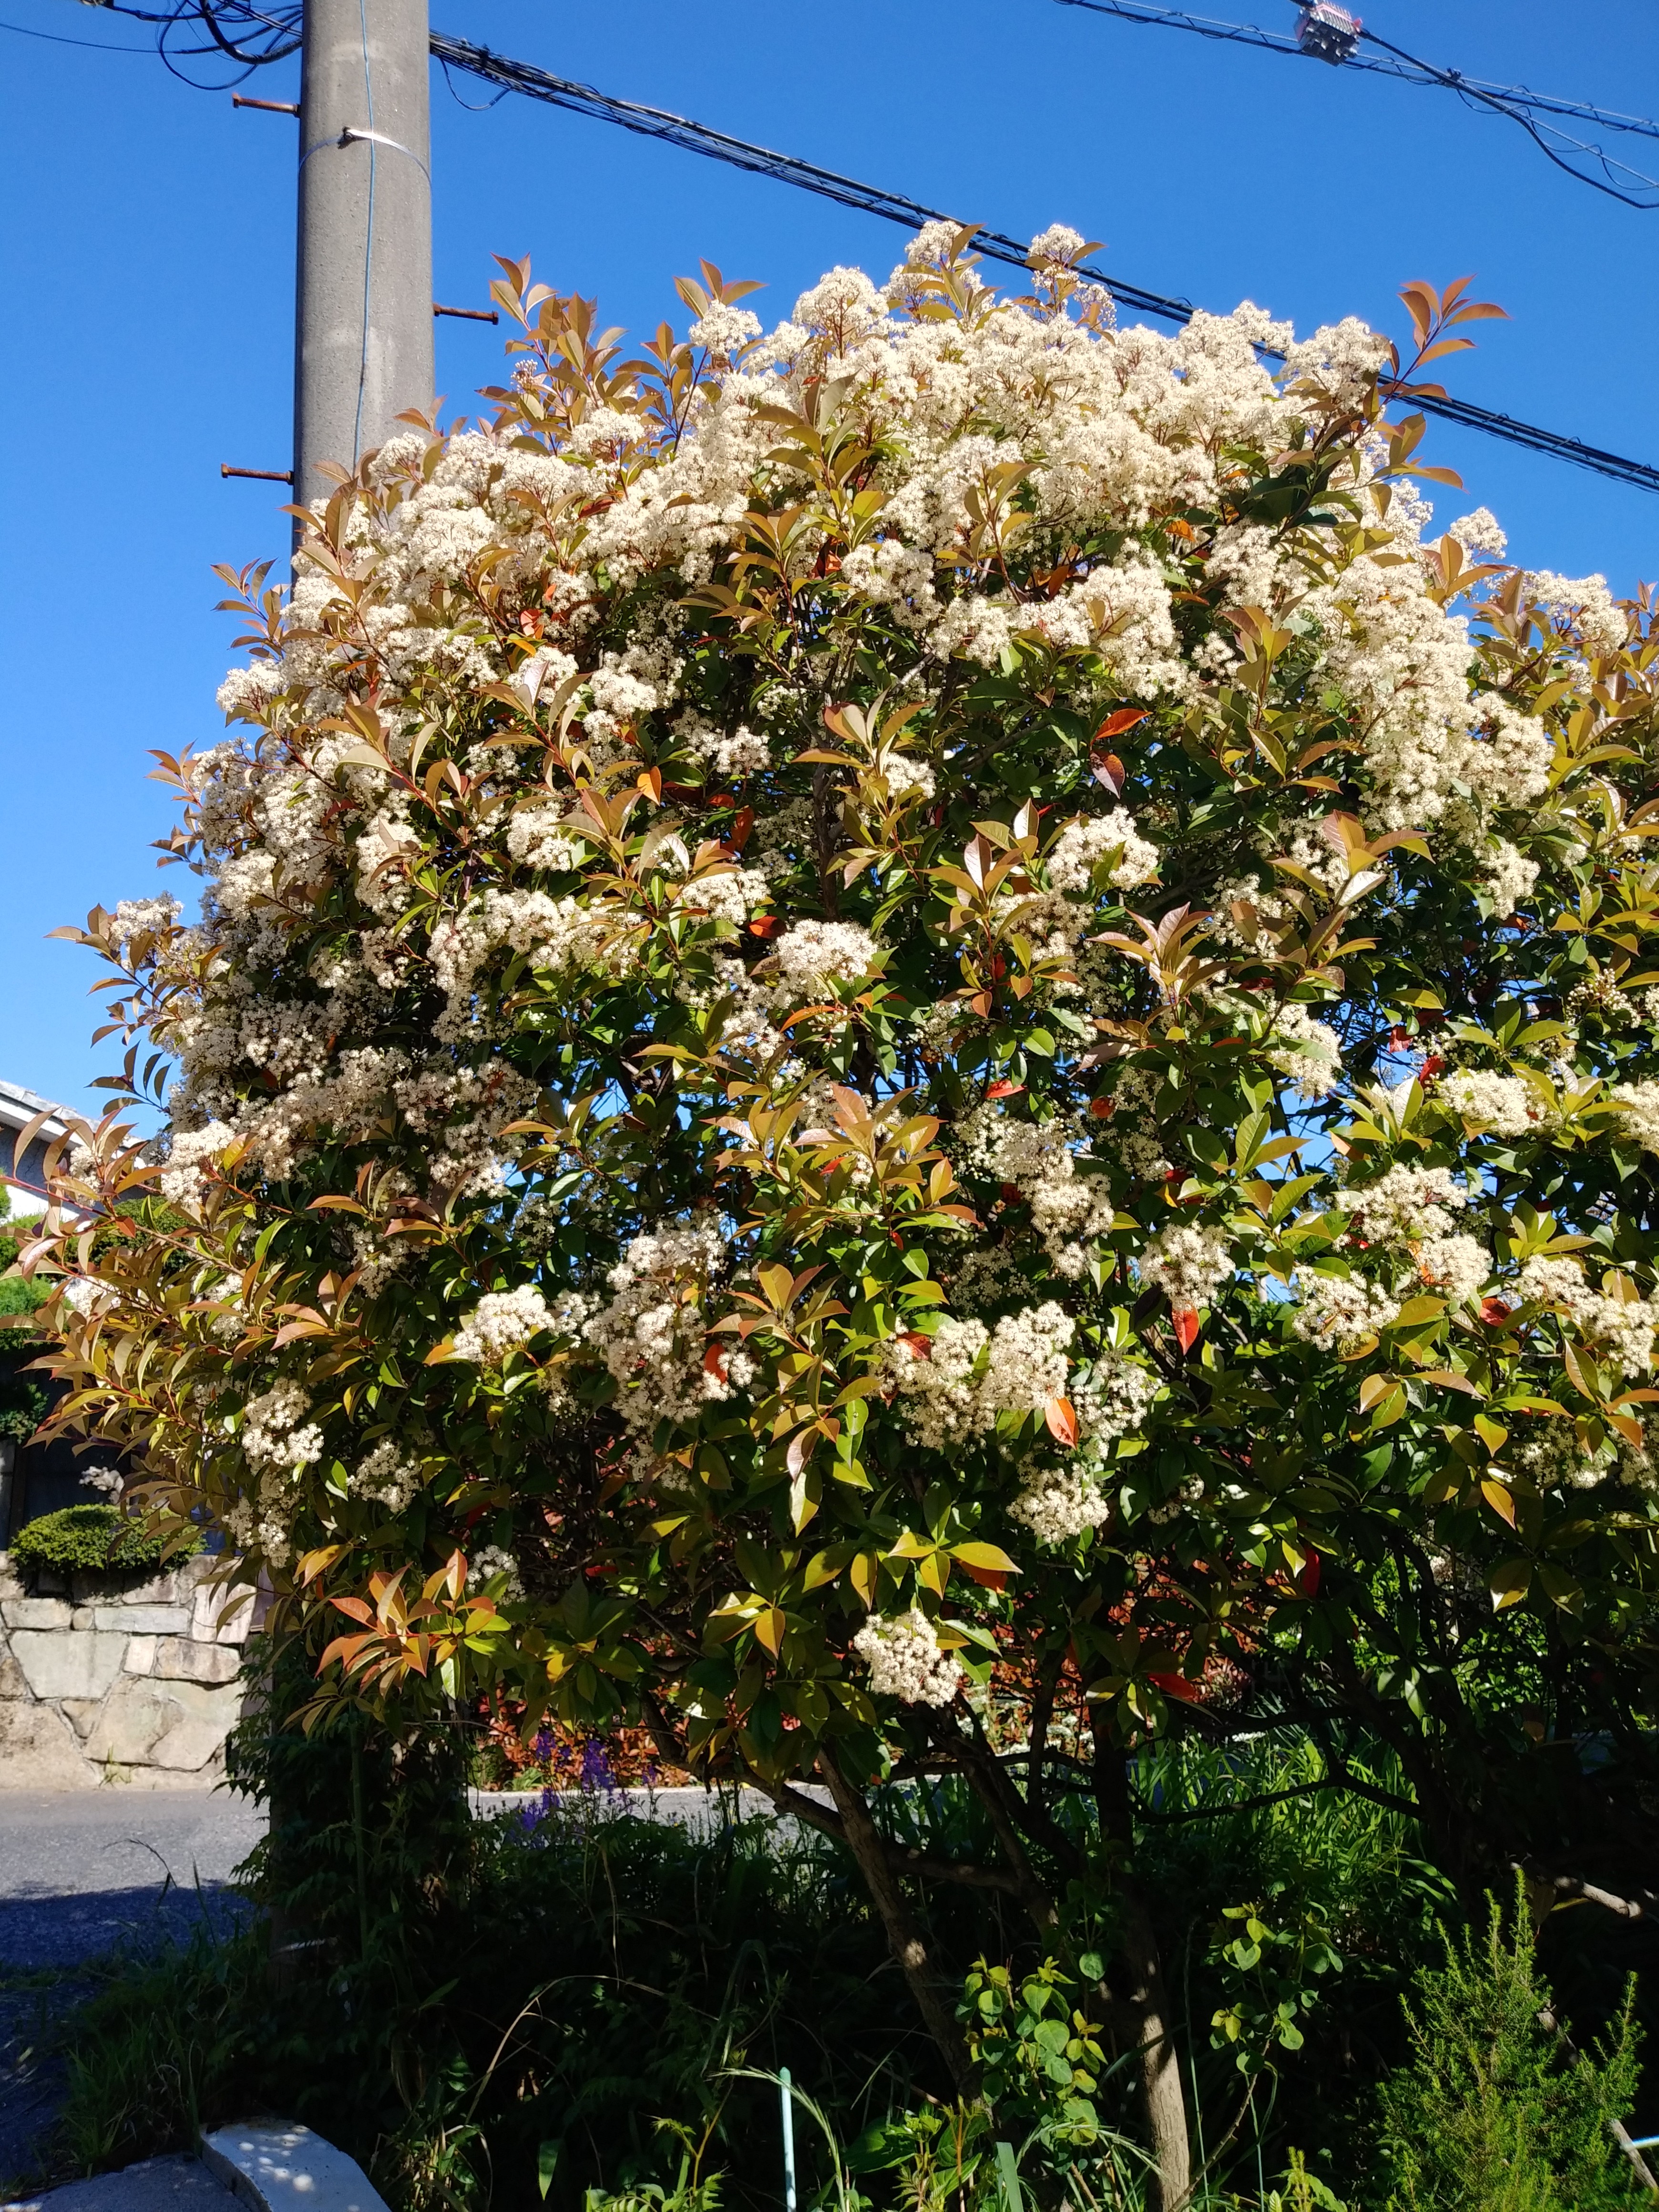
(1140, 1991)
(904, 1935)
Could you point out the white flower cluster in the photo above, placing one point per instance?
(183, 1179)
(654, 1333)
(732, 754)
(905, 1660)
(539, 836)
(1402, 1206)
(1187, 1263)
(1112, 1396)
(493, 1563)
(1480, 532)
(385, 1474)
(1081, 847)
(1457, 1266)
(811, 956)
(1059, 1502)
(502, 1321)
(1624, 1326)
(1069, 1211)
(1583, 601)
(1509, 876)
(969, 1375)
(275, 1433)
(1638, 1111)
(1307, 1050)
(1337, 1310)
(1505, 1104)
(143, 917)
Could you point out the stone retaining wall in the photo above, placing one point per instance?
(100, 1683)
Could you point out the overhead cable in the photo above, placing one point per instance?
(238, 36)
(1377, 57)
(894, 207)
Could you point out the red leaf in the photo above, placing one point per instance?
(1177, 1686)
(1110, 770)
(921, 1346)
(714, 1361)
(765, 925)
(1310, 1576)
(1061, 1416)
(738, 836)
(986, 1578)
(1495, 1312)
(1122, 718)
(1186, 1326)
(1101, 1109)
(1003, 1089)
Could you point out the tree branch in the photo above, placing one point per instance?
(800, 1806)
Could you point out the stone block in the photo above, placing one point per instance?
(67, 1662)
(221, 1615)
(13, 1683)
(36, 1612)
(272, 2166)
(82, 1712)
(11, 1583)
(140, 1655)
(181, 1659)
(147, 1722)
(145, 1619)
(38, 1750)
(154, 1589)
(81, 1618)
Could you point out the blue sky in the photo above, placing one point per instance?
(146, 267)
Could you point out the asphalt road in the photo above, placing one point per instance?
(86, 1873)
(160, 2185)
(83, 1873)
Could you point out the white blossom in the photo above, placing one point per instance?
(1189, 1264)
(1337, 1310)
(1503, 1103)
(905, 1660)
(1081, 846)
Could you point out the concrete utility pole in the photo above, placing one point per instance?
(362, 344)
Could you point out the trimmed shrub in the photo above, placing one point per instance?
(91, 1539)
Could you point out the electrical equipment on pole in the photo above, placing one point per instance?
(1330, 33)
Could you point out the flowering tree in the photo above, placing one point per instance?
(912, 1049)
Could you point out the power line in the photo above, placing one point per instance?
(93, 45)
(759, 161)
(238, 34)
(1517, 102)
(893, 207)
(279, 27)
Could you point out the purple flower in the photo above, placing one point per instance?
(596, 1772)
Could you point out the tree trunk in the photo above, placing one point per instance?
(1141, 1989)
(864, 1841)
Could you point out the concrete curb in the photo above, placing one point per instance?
(274, 2167)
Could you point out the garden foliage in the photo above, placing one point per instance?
(93, 1540)
(1497, 2108)
(917, 1046)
